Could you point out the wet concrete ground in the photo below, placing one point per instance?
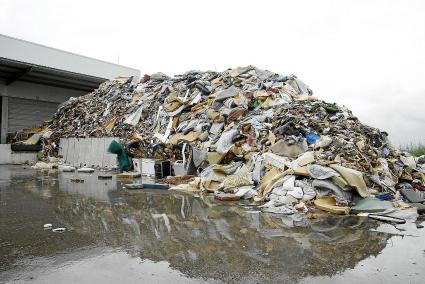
(154, 236)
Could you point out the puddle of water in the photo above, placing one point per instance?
(159, 236)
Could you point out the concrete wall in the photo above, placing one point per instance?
(87, 151)
(75, 151)
(18, 49)
(8, 157)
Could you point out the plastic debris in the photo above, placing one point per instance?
(329, 204)
(387, 219)
(412, 195)
(134, 186)
(321, 172)
(371, 205)
(104, 176)
(119, 150)
(59, 230)
(312, 138)
(85, 170)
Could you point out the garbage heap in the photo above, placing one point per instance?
(248, 133)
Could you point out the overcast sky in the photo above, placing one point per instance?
(367, 55)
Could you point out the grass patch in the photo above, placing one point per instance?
(415, 150)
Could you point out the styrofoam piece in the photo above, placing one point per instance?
(148, 167)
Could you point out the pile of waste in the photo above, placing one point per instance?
(248, 133)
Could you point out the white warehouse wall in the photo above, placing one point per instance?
(17, 49)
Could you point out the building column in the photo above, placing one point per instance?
(4, 118)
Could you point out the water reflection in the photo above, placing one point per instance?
(194, 234)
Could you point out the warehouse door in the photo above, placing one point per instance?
(25, 113)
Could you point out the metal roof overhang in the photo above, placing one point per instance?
(12, 71)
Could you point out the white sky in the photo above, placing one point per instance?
(367, 55)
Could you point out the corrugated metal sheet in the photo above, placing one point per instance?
(25, 113)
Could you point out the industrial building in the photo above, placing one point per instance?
(35, 79)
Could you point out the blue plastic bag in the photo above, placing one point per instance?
(312, 137)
